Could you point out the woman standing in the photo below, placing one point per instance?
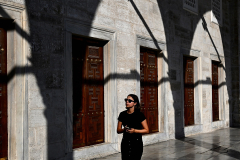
(134, 123)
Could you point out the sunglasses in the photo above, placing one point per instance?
(129, 100)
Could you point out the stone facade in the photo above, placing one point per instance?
(235, 68)
(39, 66)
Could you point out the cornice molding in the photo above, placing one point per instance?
(150, 43)
(13, 5)
(87, 25)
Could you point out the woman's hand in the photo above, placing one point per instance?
(126, 128)
(144, 130)
(131, 130)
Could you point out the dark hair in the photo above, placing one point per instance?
(136, 100)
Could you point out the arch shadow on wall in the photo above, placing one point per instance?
(49, 77)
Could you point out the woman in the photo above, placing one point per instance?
(135, 124)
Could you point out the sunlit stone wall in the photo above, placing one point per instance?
(161, 21)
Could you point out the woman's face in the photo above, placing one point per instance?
(128, 104)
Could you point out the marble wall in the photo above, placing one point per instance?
(46, 29)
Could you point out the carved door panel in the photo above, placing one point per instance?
(188, 91)
(3, 94)
(149, 88)
(88, 112)
(215, 103)
(94, 94)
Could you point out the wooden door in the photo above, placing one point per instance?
(3, 94)
(149, 88)
(88, 112)
(188, 91)
(79, 111)
(215, 104)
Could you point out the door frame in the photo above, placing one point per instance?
(160, 47)
(17, 53)
(110, 91)
(197, 127)
(222, 100)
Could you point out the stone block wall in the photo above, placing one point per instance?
(46, 97)
(163, 21)
(235, 65)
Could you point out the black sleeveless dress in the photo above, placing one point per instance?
(132, 145)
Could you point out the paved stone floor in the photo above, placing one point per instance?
(223, 144)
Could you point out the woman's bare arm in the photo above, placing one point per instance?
(119, 128)
(144, 130)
